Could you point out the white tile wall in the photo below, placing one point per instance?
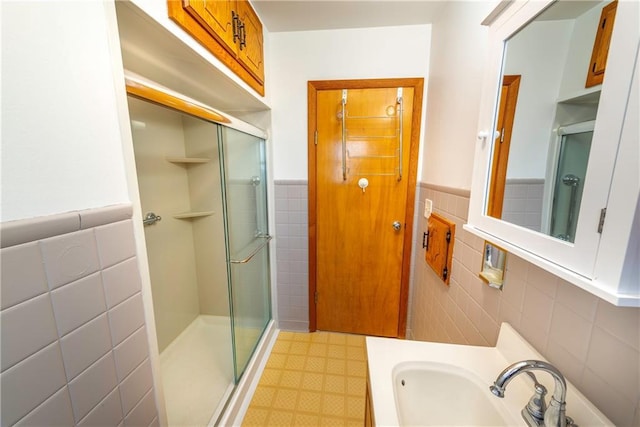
(55, 411)
(35, 316)
(292, 247)
(595, 344)
(92, 385)
(72, 330)
(27, 283)
(84, 346)
(107, 413)
(522, 203)
(69, 257)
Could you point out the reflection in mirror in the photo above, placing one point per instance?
(493, 263)
(544, 120)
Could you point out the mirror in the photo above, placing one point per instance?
(545, 118)
(493, 263)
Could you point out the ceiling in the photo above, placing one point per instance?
(307, 15)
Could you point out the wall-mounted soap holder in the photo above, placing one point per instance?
(493, 265)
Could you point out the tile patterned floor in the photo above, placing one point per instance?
(311, 379)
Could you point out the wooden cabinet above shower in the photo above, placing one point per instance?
(230, 30)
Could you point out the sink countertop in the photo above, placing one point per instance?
(384, 354)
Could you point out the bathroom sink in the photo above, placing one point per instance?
(430, 394)
(448, 384)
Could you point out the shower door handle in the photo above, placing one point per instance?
(254, 252)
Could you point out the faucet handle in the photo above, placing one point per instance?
(537, 405)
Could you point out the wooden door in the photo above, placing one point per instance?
(359, 263)
(250, 50)
(502, 144)
(216, 16)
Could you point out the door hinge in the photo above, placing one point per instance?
(448, 236)
(315, 297)
(315, 138)
(603, 213)
(445, 273)
(425, 240)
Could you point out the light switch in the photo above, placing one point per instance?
(428, 207)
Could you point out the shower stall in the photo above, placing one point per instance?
(202, 187)
(574, 145)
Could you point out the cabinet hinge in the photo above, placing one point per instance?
(315, 297)
(502, 136)
(315, 138)
(425, 240)
(445, 273)
(603, 213)
(448, 237)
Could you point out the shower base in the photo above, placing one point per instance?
(197, 372)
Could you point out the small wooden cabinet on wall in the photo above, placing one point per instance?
(230, 30)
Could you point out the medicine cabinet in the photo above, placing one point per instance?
(570, 204)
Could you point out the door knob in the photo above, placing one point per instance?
(397, 226)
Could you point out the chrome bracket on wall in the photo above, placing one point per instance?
(151, 218)
(344, 136)
(399, 100)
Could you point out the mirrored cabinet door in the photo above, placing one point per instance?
(544, 169)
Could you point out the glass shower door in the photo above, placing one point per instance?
(245, 204)
(575, 145)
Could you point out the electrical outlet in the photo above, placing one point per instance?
(428, 207)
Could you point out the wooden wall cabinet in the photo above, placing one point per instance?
(598, 62)
(230, 30)
(438, 242)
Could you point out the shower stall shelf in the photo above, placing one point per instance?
(207, 246)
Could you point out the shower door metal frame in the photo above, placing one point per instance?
(230, 261)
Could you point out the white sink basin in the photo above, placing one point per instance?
(448, 384)
(437, 394)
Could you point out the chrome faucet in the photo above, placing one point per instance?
(536, 413)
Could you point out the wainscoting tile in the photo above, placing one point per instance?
(21, 274)
(126, 318)
(572, 331)
(144, 413)
(136, 385)
(606, 355)
(107, 413)
(577, 300)
(130, 353)
(92, 385)
(55, 411)
(115, 242)
(55, 333)
(618, 408)
(621, 322)
(84, 346)
(78, 302)
(30, 382)
(69, 257)
(121, 281)
(25, 329)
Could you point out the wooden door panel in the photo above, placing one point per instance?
(251, 53)
(216, 17)
(359, 254)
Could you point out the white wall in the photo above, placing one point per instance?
(577, 64)
(61, 148)
(455, 78)
(297, 57)
(538, 53)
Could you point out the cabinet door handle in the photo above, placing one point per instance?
(243, 35)
(234, 24)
